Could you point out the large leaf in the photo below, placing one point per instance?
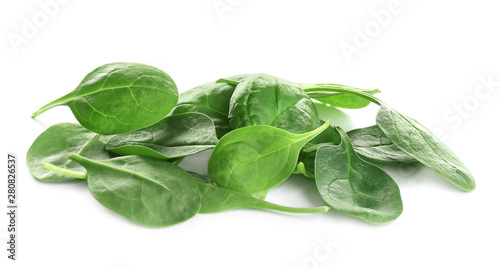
(120, 97)
(145, 190)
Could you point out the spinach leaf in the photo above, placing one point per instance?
(420, 143)
(256, 158)
(266, 100)
(372, 144)
(172, 137)
(354, 187)
(120, 97)
(55, 144)
(146, 190)
(211, 99)
(216, 199)
(329, 94)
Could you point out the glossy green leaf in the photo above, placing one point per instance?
(372, 144)
(146, 190)
(329, 94)
(420, 143)
(256, 158)
(59, 141)
(120, 97)
(266, 100)
(174, 136)
(354, 187)
(211, 99)
(216, 199)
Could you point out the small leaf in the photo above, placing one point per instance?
(59, 141)
(256, 158)
(266, 100)
(174, 136)
(354, 187)
(211, 99)
(329, 94)
(372, 144)
(420, 143)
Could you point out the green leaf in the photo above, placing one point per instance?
(56, 143)
(420, 143)
(336, 95)
(216, 199)
(148, 191)
(354, 187)
(120, 97)
(174, 136)
(256, 158)
(266, 100)
(372, 144)
(211, 99)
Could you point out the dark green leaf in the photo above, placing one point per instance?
(174, 136)
(211, 99)
(266, 100)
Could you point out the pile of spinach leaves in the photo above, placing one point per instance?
(134, 129)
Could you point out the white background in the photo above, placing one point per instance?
(428, 60)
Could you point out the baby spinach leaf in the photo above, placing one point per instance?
(372, 144)
(120, 97)
(256, 158)
(146, 190)
(266, 100)
(172, 137)
(216, 199)
(55, 144)
(354, 187)
(420, 143)
(329, 94)
(211, 99)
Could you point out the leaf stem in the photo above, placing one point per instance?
(66, 172)
(281, 208)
